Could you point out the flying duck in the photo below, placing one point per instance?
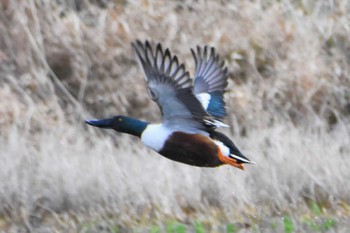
(191, 112)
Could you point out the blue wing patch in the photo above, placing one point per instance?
(216, 106)
(210, 81)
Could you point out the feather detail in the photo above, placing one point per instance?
(210, 79)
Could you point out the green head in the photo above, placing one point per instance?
(121, 124)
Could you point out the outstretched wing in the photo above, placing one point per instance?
(210, 81)
(170, 87)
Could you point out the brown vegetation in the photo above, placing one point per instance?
(288, 99)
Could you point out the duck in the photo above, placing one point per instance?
(192, 111)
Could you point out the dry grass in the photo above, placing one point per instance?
(289, 104)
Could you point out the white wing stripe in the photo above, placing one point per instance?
(204, 98)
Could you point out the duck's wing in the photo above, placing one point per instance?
(210, 81)
(171, 88)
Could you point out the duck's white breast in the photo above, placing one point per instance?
(155, 135)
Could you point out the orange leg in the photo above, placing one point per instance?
(230, 161)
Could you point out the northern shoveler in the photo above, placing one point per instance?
(191, 112)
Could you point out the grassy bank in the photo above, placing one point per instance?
(289, 104)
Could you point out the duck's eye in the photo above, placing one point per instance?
(119, 119)
(152, 93)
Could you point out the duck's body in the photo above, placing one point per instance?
(190, 114)
(193, 149)
(201, 150)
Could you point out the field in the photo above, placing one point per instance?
(288, 100)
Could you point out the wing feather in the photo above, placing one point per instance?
(210, 81)
(171, 88)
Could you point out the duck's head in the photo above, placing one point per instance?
(121, 124)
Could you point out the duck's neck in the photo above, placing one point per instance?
(132, 126)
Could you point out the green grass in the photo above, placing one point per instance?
(231, 228)
(316, 209)
(328, 224)
(175, 227)
(273, 225)
(115, 229)
(319, 222)
(199, 228)
(154, 229)
(320, 226)
(288, 224)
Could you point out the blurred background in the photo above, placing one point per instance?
(288, 101)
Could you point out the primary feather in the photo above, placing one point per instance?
(210, 81)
